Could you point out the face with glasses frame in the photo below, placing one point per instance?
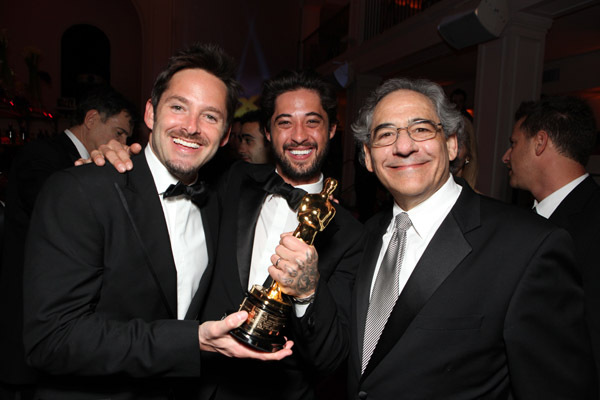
(408, 150)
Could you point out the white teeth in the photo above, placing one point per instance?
(300, 152)
(186, 143)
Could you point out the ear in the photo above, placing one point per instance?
(332, 131)
(452, 145)
(225, 137)
(368, 161)
(91, 117)
(540, 141)
(267, 135)
(149, 115)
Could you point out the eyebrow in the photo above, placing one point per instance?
(308, 114)
(187, 102)
(410, 121)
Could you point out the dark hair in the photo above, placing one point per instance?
(251, 116)
(288, 81)
(524, 109)
(208, 57)
(107, 101)
(450, 117)
(569, 122)
(254, 116)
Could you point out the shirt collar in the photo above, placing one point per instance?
(315, 187)
(427, 216)
(546, 207)
(162, 177)
(83, 153)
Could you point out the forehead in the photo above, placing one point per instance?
(402, 106)
(251, 127)
(301, 101)
(517, 130)
(197, 85)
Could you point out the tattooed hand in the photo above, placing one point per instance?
(295, 266)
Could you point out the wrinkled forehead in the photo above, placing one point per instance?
(402, 107)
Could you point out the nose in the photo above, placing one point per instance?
(506, 156)
(299, 134)
(190, 124)
(404, 144)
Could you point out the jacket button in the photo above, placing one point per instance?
(362, 395)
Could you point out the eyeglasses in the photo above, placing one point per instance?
(419, 131)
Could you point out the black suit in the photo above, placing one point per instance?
(100, 288)
(579, 214)
(493, 310)
(29, 170)
(338, 246)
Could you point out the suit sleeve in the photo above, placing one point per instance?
(322, 334)
(64, 271)
(547, 346)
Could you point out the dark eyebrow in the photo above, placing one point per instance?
(384, 125)
(313, 113)
(283, 116)
(178, 98)
(186, 102)
(410, 121)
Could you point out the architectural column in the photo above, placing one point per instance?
(509, 71)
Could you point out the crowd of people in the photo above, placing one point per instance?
(133, 270)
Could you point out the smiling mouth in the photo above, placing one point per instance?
(301, 152)
(185, 143)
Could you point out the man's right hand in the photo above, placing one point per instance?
(214, 336)
(117, 154)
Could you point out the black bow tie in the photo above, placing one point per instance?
(196, 192)
(276, 185)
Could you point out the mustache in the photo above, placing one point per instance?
(195, 137)
(295, 146)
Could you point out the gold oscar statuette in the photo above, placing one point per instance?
(268, 308)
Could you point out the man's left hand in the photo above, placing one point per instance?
(295, 266)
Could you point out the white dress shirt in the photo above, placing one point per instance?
(83, 153)
(426, 218)
(186, 234)
(276, 217)
(546, 207)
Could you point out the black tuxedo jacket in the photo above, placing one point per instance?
(579, 214)
(493, 310)
(339, 247)
(100, 294)
(29, 170)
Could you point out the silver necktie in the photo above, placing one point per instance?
(386, 289)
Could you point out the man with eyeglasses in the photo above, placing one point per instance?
(457, 296)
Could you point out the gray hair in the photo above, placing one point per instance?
(450, 117)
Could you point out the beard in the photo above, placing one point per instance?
(303, 172)
(183, 173)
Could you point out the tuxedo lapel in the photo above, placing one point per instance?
(210, 222)
(141, 201)
(250, 203)
(447, 249)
